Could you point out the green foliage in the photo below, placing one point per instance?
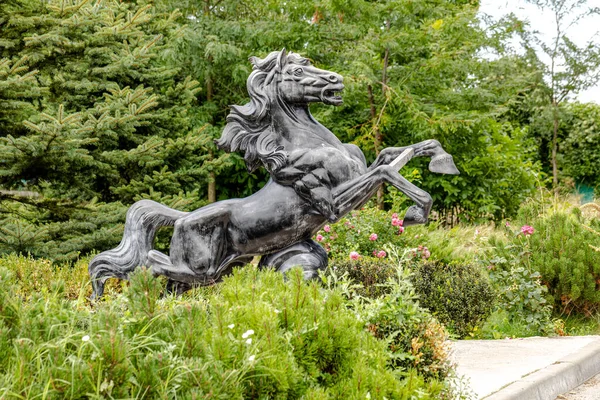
(497, 174)
(415, 339)
(366, 232)
(255, 336)
(564, 251)
(460, 296)
(92, 115)
(143, 293)
(579, 69)
(581, 148)
(522, 297)
(369, 275)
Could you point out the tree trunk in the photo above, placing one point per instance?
(379, 139)
(376, 140)
(555, 148)
(212, 188)
(212, 182)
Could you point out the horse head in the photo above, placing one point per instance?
(281, 79)
(300, 83)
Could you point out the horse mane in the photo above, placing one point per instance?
(248, 128)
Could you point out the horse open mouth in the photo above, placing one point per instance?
(332, 96)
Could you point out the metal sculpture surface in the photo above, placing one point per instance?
(315, 178)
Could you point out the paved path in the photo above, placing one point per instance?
(588, 391)
(527, 369)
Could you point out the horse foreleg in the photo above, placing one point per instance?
(358, 191)
(441, 162)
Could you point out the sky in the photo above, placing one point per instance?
(543, 22)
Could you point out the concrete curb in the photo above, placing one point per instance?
(560, 377)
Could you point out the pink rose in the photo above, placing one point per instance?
(381, 254)
(426, 253)
(373, 237)
(320, 238)
(527, 230)
(354, 255)
(327, 228)
(400, 230)
(397, 222)
(394, 216)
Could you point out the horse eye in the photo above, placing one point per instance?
(298, 71)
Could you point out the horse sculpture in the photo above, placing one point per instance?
(315, 178)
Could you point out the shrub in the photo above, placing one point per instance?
(40, 275)
(564, 250)
(459, 295)
(368, 274)
(415, 338)
(365, 232)
(521, 300)
(255, 335)
(524, 307)
(354, 233)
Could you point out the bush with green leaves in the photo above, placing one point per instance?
(255, 335)
(581, 151)
(364, 232)
(368, 274)
(415, 339)
(459, 295)
(522, 297)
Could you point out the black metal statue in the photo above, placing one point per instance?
(315, 178)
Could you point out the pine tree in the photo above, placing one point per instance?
(94, 118)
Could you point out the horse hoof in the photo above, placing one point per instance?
(443, 164)
(415, 215)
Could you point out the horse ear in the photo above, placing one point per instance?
(254, 61)
(282, 59)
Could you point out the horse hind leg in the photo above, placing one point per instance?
(161, 264)
(141, 223)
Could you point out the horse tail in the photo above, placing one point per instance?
(143, 219)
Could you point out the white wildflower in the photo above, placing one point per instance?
(251, 358)
(231, 326)
(249, 341)
(86, 338)
(277, 311)
(247, 333)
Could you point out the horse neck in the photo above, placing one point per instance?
(296, 125)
